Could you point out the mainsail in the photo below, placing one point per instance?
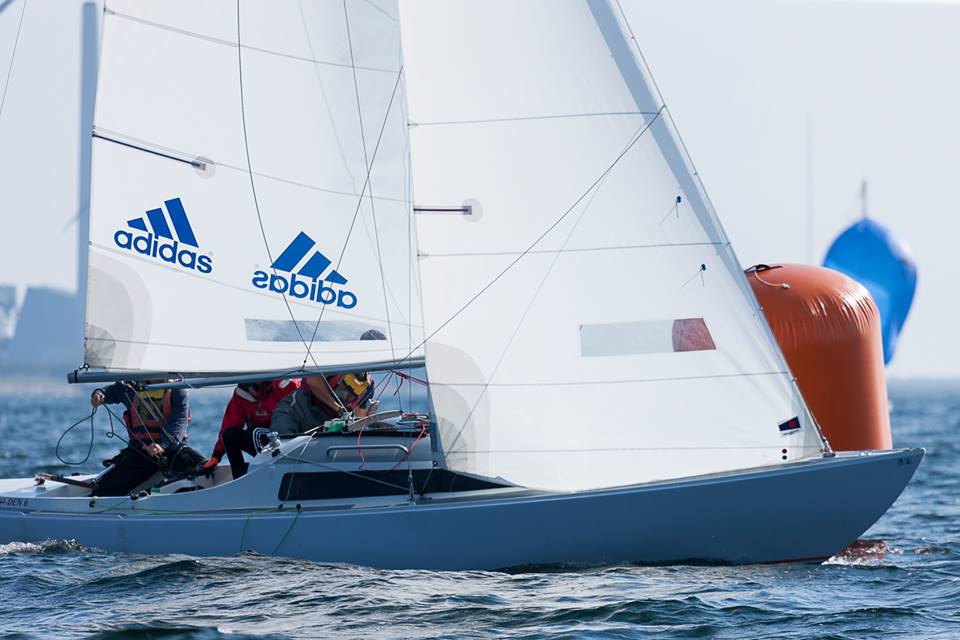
(233, 225)
(587, 322)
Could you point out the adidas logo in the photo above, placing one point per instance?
(310, 286)
(159, 241)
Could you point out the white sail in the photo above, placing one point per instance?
(198, 265)
(588, 324)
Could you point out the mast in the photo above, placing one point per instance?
(88, 93)
(864, 212)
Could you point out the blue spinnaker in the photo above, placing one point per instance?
(870, 254)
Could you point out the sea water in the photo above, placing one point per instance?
(901, 580)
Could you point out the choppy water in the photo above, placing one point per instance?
(901, 581)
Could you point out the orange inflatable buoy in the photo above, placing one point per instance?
(828, 328)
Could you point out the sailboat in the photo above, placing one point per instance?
(500, 190)
(874, 256)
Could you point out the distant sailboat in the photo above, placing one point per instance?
(872, 255)
(605, 387)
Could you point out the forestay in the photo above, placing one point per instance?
(588, 323)
(198, 265)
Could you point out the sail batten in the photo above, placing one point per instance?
(594, 328)
(201, 162)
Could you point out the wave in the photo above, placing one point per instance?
(865, 553)
(45, 547)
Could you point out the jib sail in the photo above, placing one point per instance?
(588, 324)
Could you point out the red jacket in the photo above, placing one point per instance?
(246, 409)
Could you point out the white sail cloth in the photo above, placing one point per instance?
(588, 323)
(196, 267)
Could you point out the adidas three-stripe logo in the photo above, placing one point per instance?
(309, 285)
(159, 226)
(316, 265)
(163, 242)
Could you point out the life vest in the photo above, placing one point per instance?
(256, 410)
(253, 410)
(351, 389)
(141, 418)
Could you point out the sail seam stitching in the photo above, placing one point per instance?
(603, 174)
(155, 264)
(558, 116)
(625, 247)
(536, 294)
(609, 382)
(231, 349)
(228, 43)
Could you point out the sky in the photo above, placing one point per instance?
(770, 96)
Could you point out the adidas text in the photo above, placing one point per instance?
(309, 289)
(165, 250)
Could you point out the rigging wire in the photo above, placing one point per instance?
(326, 102)
(253, 189)
(309, 346)
(369, 168)
(526, 312)
(751, 299)
(336, 130)
(539, 238)
(13, 56)
(363, 191)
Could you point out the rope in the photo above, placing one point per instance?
(151, 409)
(293, 473)
(13, 56)
(243, 532)
(113, 434)
(176, 446)
(407, 376)
(284, 538)
(423, 430)
(63, 435)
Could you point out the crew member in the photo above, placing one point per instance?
(323, 398)
(156, 424)
(246, 422)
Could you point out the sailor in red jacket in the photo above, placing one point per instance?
(246, 422)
